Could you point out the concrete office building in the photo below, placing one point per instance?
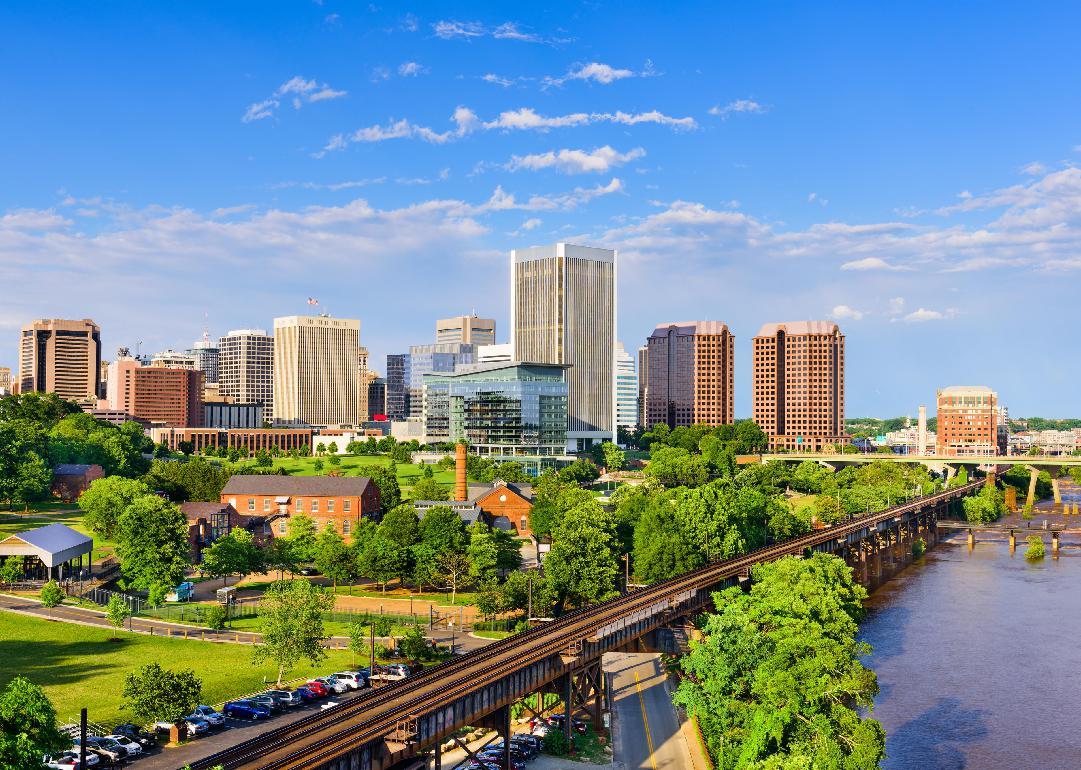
(205, 355)
(466, 328)
(362, 383)
(158, 395)
(60, 356)
(506, 412)
(643, 388)
(968, 421)
(377, 395)
(799, 384)
(5, 380)
(315, 371)
(626, 390)
(171, 359)
(563, 311)
(689, 379)
(246, 368)
(495, 354)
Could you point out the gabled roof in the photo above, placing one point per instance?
(479, 491)
(53, 544)
(297, 486)
(194, 511)
(73, 469)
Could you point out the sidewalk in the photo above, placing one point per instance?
(153, 627)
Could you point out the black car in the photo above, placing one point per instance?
(135, 733)
(309, 571)
(528, 741)
(496, 753)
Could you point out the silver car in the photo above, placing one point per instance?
(208, 715)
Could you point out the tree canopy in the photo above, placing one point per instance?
(152, 542)
(27, 726)
(293, 613)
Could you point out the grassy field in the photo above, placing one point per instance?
(78, 665)
(12, 522)
(356, 465)
(803, 502)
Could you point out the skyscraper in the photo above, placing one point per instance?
(60, 356)
(799, 384)
(316, 377)
(163, 395)
(362, 383)
(466, 328)
(205, 354)
(689, 379)
(626, 390)
(563, 311)
(246, 368)
(643, 380)
(397, 397)
(968, 417)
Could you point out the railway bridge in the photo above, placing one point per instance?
(394, 724)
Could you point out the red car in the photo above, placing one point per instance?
(318, 688)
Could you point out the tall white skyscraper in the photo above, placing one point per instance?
(316, 371)
(246, 368)
(563, 311)
(626, 390)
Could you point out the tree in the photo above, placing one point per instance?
(27, 725)
(104, 501)
(614, 458)
(302, 542)
(581, 471)
(155, 694)
(186, 448)
(11, 569)
(582, 565)
(442, 530)
(215, 617)
(675, 467)
(987, 506)
(155, 595)
(428, 488)
(413, 646)
(400, 453)
(333, 557)
(828, 510)
(777, 681)
(358, 640)
(197, 479)
(401, 526)
(52, 594)
(152, 542)
(382, 559)
(491, 551)
(453, 572)
(117, 611)
(233, 554)
(22, 443)
(332, 447)
(662, 547)
(386, 479)
(293, 625)
(278, 555)
(45, 409)
(263, 459)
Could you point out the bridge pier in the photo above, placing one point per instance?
(1056, 491)
(971, 539)
(1054, 544)
(1033, 476)
(1013, 542)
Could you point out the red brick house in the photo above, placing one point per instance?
(339, 500)
(500, 499)
(70, 480)
(209, 521)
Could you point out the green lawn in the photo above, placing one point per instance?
(78, 665)
(802, 502)
(11, 522)
(354, 465)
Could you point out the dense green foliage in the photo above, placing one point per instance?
(51, 594)
(196, 479)
(987, 506)
(777, 681)
(1018, 477)
(293, 624)
(1035, 550)
(386, 479)
(27, 726)
(742, 437)
(107, 498)
(1043, 423)
(152, 543)
(156, 694)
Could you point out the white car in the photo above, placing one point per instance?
(392, 672)
(354, 679)
(68, 760)
(133, 748)
(333, 683)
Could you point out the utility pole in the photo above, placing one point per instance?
(371, 655)
(626, 573)
(529, 601)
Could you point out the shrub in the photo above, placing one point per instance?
(215, 617)
(1035, 550)
(555, 743)
(51, 594)
(919, 547)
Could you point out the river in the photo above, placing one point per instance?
(978, 656)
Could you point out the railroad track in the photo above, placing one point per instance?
(305, 744)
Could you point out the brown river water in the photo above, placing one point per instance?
(978, 656)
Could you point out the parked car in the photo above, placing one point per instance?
(245, 709)
(318, 688)
(287, 698)
(333, 684)
(392, 672)
(354, 679)
(135, 733)
(106, 749)
(556, 720)
(496, 758)
(497, 754)
(307, 695)
(309, 571)
(528, 743)
(68, 760)
(526, 749)
(209, 715)
(267, 702)
(196, 724)
(130, 746)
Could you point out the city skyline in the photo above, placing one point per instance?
(737, 179)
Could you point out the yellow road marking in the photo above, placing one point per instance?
(645, 720)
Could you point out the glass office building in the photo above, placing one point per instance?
(515, 411)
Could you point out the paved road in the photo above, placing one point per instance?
(648, 728)
(88, 617)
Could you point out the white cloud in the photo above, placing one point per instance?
(498, 80)
(524, 119)
(816, 198)
(896, 305)
(503, 201)
(410, 23)
(449, 29)
(598, 161)
(531, 224)
(1035, 168)
(845, 313)
(736, 107)
(379, 74)
(299, 90)
(595, 72)
(870, 263)
(922, 315)
(411, 69)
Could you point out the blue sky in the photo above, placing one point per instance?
(909, 171)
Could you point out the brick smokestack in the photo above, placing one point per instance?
(461, 488)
